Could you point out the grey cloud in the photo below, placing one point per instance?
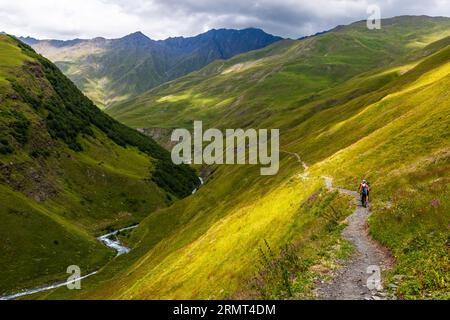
(164, 18)
(289, 18)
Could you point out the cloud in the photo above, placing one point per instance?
(159, 19)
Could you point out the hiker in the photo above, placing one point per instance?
(364, 189)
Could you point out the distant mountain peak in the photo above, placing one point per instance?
(245, 30)
(138, 35)
(29, 40)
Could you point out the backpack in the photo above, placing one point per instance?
(364, 189)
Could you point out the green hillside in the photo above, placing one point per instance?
(68, 172)
(354, 104)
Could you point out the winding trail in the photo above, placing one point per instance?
(350, 282)
(299, 159)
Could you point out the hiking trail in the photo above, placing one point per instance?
(350, 281)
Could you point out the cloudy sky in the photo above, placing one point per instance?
(159, 19)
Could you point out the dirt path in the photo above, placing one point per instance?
(299, 159)
(350, 282)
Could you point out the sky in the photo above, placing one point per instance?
(160, 19)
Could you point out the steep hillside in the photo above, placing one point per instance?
(67, 173)
(352, 104)
(112, 70)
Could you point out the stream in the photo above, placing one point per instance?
(115, 243)
(201, 183)
(110, 240)
(105, 239)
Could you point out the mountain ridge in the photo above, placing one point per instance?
(107, 70)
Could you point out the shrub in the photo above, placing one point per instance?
(19, 127)
(40, 154)
(5, 148)
(274, 280)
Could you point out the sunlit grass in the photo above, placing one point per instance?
(353, 105)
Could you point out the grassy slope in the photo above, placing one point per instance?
(196, 242)
(56, 200)
(353, 104)
(408, 162)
